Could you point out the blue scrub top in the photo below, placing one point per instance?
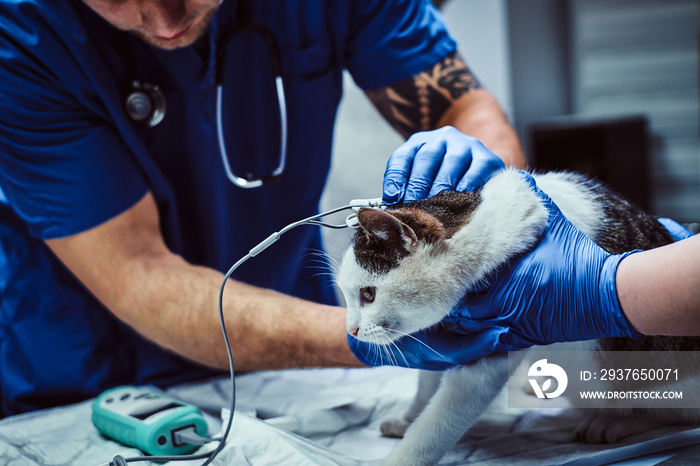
(70, 159)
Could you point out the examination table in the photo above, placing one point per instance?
(332, 417)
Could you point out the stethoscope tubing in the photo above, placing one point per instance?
(275, 62)
(142, 94)
(235, 179)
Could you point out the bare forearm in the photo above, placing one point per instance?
(127, 266)
(659, 290)
(176, 305)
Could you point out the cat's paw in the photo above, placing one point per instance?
(395, 428)
(597, 429)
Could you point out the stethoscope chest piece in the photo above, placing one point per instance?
(145, 103)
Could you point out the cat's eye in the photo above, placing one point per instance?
(367, 294)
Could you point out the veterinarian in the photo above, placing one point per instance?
(118, 215)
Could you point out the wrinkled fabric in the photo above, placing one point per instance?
(332, 417)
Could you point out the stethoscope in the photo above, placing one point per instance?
(145, 103)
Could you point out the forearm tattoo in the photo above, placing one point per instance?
(417, 103)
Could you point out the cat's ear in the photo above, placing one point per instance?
(387, 228)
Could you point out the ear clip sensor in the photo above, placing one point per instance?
(356, 204)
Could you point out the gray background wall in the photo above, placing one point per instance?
(610, 58)
(641, 57)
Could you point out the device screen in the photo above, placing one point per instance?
(143, 415)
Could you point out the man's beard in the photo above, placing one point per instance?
(196, 30)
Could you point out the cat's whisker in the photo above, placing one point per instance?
(385, 353)
(317, 252)
(325, 259)
(394, 359)
(381, 352)
(382, 349)
(327, 263)
(333, 262)
(323, 267)
(377, 355)
(330, 286)
(320, 264)
(399, 351)
(333, 280)
(418, 340)
(374, 352)
(328, 274)
(317, 265)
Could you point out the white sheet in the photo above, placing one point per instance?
(327, 417)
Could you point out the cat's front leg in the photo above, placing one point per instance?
(428, 382)
(462, 396)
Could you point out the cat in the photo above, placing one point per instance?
(409, 266)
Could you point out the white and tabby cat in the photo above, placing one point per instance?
(408, 267)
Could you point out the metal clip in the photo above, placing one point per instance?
(375, 203)
(352, 221)
(357, 204)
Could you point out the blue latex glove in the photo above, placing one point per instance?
(434, 161)
(441, 348)
(677, 231)
(562, 290)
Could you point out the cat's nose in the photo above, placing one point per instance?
(353, 331)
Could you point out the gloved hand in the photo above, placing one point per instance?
(677, 231)
(562, 290)
(433, 161)
(435, 349)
